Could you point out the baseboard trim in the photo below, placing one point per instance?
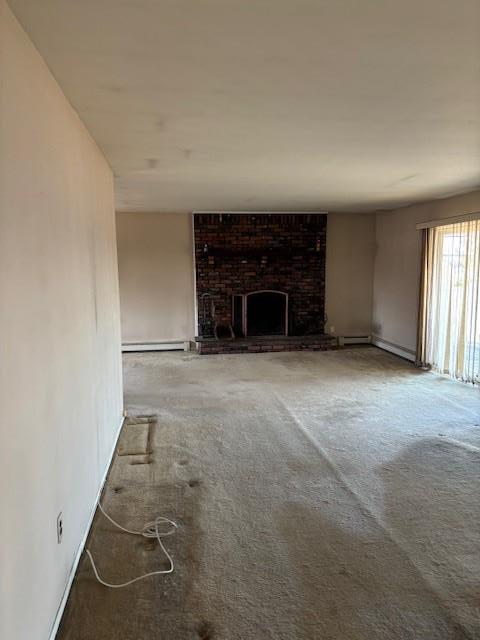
(181, 345)
(396, 349)
(78, 555)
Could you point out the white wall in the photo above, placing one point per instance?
(349, 273)
(60, 374)
(155, 259)
(155, 255)
(397, 266)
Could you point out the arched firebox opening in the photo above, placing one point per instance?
(266, 313)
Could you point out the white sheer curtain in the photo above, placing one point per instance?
(450, 302)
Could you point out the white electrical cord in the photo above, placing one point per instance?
(150, 530)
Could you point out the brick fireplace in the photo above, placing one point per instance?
(260, 281)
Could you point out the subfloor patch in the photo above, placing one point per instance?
(94, 611)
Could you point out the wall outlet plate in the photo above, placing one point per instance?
(59, 527)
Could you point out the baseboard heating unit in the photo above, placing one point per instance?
(182, 345)
(408, 354)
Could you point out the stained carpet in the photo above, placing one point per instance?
(329, 496)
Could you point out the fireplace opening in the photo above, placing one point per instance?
(266, 313)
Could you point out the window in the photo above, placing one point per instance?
(451, 302)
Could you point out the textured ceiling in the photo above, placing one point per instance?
(271, 104)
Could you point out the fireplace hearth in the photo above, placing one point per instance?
(266, 344)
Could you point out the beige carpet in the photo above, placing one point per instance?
(329, 496)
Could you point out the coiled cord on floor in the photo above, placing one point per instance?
(150, 530)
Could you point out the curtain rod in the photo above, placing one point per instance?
(466, 217)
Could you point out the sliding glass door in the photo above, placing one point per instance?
(451, 301)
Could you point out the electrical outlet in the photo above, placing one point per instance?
(332, 329)
(59, 527)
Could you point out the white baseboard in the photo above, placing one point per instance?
(78, 555)
(396, 349)
(181, 345)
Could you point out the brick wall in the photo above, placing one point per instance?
(238, 254)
